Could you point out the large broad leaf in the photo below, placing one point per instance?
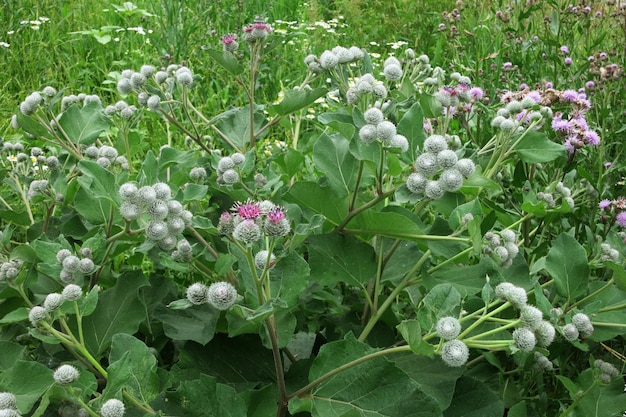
(132, 367)
(119, 310)
(342, 122)
(467, 279)
(197, 323)
(566, 263)
(27, 380)
(375, 388)
(312, 196)
(99, 181)
(203, 397)
(334, 258)
(234, 124)
(536, 147)
(393, 222)
(332, 157)
(243, 361)
(298, 99)
(11, 353)
(433, 377)
(83, 125)
(227, 60)
(32, 126)
(412, 127)
(443, 300)
(472, 398)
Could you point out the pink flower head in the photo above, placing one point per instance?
(262, 26)
(549, 84)
(621, 219)
(567, 61)
(604, 204)
(535, 96)
(276, 215)
(591, 138)
(561, 125)
(570, 95)
(247, 210)
(476, 93)
(228, 39)
(564, 50)
(225, 216)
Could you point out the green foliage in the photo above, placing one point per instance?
(244, 237)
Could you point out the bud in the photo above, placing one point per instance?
(162, 191)
(451, 180)
(570, 332)
(8, 401)
(222, 295)
(53, 301)
(368, 133)
(392, 72)
(426, 164)
(531, 316)
(524, 339)
(112, 408)
(373, 116)
(433, 190)
(86, 266)
(448, 328)
(72, 292)
(454, 353)
(71, 264)
(62, 254)
(264, 259)
(197, 293)
(386, 131)
(37, 314)
(156, 230)
(247, 231)
(435, 144)
(65, 374)
(447, 158)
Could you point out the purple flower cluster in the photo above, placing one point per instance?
(249, 221)
(618, 206)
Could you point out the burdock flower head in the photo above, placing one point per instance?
(229, 43)
(276, 224)
(256, 31)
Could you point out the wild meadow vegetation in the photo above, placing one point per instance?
(321, 208)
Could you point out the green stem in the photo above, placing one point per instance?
(353, 213)
(493, 331)
(608, 284)
(482, 319)
(577, 400)
(391, 298)
(328, 375)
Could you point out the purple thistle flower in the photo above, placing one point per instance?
(590, 84)
(564, 50)
(621, 219)
(535, 95)
(570, 95)
(591, 138)
(567, 61)
(247, 210)
(591, 58)
(561, 125)
(604, 204)
(476, 93)
(549, 84)
(276, 215)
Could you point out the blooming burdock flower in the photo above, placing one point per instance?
(247, 210)
(229, 42)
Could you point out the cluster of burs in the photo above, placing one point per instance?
(228, 168)
(166, 217)
(41, 99)
(136, 82)
(106, 156)
(439, 169)
(501, 247)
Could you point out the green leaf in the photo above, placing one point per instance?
(412, 127)
(393, 222)
(32, 126)
(235, 125)
(536, 147)
(27, 380)
(332, 157)
(99, 181)
(194, 192)
(434, 379)
(11, 353)
(196, 323)
(119, 310)
(298, 99)
(443, 300)
(132, 367)
(15, 316)
(374, 388)
(412, 334)
(83, 125)
(227, 60)
(289, 278)
(312, 196)
(472, 398)
(204, 397)
(566, 263)
(341, 122)
(335, 258)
